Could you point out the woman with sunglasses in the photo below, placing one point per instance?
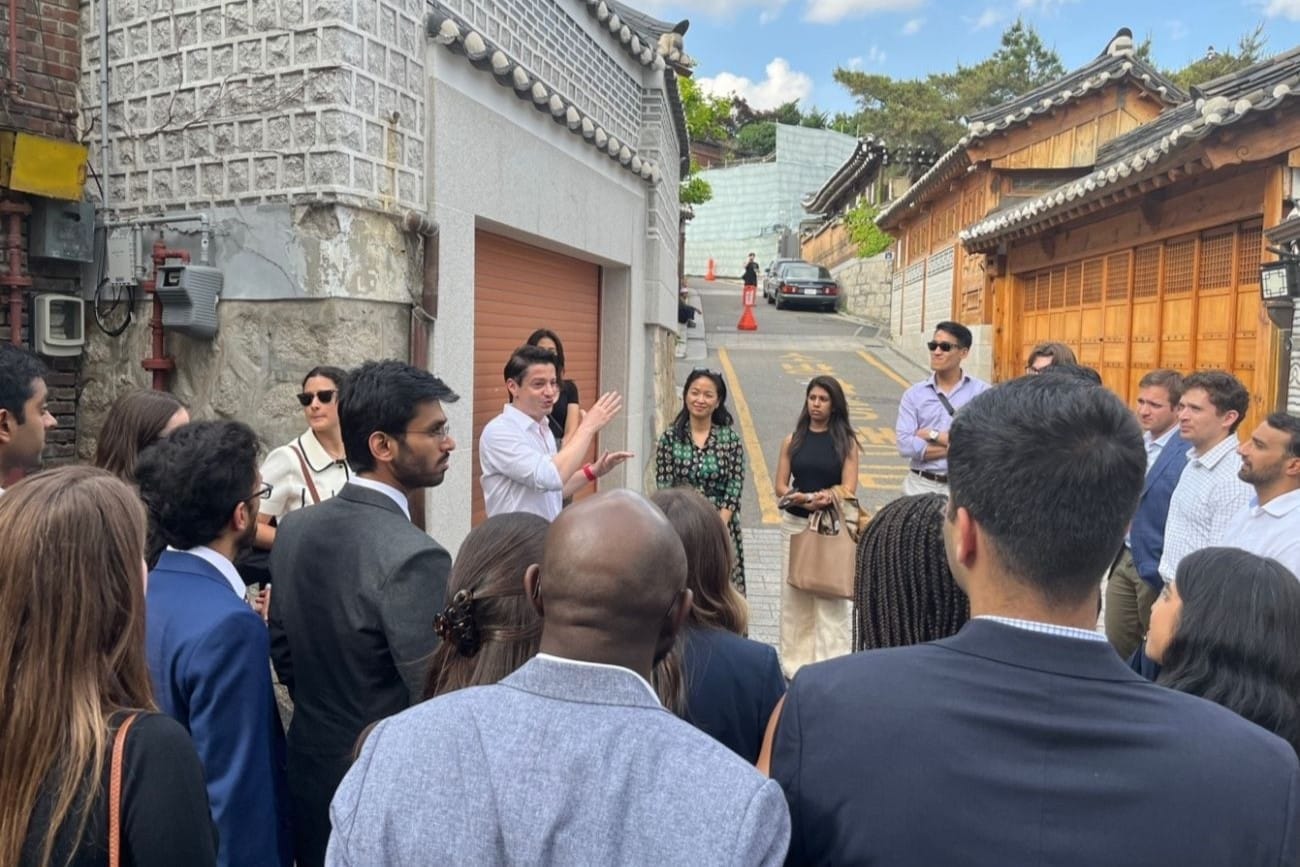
(702, 450)
(304, 472)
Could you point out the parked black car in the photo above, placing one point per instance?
(771, 280)
(804, 285)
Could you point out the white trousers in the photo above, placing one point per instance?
(914, 484)
(812, 628)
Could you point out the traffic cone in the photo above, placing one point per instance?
(708, 272)
(747, 321)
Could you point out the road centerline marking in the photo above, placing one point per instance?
(749, 435)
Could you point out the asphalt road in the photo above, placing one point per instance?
(767, 372)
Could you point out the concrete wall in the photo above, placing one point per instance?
(865, 288)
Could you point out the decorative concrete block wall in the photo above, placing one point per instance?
(245, 101)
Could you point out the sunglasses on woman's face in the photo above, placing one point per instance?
(325, 395)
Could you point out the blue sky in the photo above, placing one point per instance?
(772, 51)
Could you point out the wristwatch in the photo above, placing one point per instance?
(934, 436)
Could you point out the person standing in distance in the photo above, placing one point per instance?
(926, 409)
(750, 277)
(358, 585)
(522, 469)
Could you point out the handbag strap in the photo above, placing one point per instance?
(115, 794)
(306, 474)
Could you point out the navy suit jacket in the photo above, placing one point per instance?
(209, 657)
(1001, 746)
(1147, 535)
(732, 684)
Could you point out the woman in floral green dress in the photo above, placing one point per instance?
(702, 450)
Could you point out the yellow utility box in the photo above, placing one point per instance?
(42, 166)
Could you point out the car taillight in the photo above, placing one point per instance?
(832, 289)
(786, 288)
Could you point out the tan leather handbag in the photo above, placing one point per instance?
(823, 556)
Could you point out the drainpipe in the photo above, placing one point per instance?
(423, 317)
(15, 280)
(103, 105)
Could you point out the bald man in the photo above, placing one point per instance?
(571, 759)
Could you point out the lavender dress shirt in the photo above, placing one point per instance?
(920, 408)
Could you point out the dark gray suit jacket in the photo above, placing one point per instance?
(558, 764)
(357, 586)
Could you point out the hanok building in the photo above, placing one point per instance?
(1010, 154)
(429, 180)
(1152, 259)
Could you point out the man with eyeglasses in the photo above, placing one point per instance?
(207, 649)
(523, 471)
(926, 410)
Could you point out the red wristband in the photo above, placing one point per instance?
(586, 471)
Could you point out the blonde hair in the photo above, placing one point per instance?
(71, 642)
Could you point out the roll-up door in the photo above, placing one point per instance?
(519, 288)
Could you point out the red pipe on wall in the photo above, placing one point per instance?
(159, 362)
(14, 280)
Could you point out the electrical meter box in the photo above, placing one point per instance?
(59, 325)
(62, 230)
(189, 296)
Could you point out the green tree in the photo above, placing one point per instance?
(929, 111)
(860, 222)
(757, 139)
(1250, 50)
(815, 118)
(707, 119)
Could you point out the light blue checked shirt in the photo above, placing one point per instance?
(1046, 628)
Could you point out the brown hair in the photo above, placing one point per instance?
(1058, 352)
(491, 628)
(1170, 380)
(71, 642)
(716, 602)
(134, 421)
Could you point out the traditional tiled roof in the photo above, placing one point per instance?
(651, 30)
(867, 158)
(1116, 63)
(1154, 147)
(449, 29)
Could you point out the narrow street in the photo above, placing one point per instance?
(767, 372)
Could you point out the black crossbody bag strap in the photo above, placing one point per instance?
(943, 399)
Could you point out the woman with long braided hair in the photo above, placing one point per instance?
(903, 590)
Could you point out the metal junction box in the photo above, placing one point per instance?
(189, 296)
(62, 230)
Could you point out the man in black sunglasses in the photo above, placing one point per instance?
(926, 410)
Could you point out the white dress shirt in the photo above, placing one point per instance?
(1209, 495)
(1270, 530)
(387, 490)
(1045, 628)
(516, 454)
(221, 564)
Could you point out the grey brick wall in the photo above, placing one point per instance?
(236, 101)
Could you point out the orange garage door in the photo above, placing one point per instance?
(519, 288)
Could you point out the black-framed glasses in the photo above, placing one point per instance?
(325, 395)
(441, 432)
(942, 345)
(262, 493)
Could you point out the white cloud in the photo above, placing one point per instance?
(831, 11)
(1045, 7)
(990, 17)
(782, 85)
(875, 54)
(1178, 29)
(1289, 9)
(715, 9)
(913, 26)
(854, 63)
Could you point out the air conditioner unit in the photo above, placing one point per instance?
(59, 325)
(189, 296)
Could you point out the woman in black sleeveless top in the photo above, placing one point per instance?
(820, 454)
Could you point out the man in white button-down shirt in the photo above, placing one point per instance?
(1209, 494)
(522, 469)
(1270, 462)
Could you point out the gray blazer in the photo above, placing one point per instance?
(560, 763)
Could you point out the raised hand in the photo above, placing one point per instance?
(602, 412)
